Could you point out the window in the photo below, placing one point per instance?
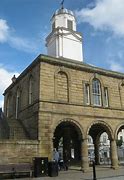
(106, 102)
(17, 102)
(87, 94)
(96, 92)
(30, 90)
(8, 107)
(70, 24)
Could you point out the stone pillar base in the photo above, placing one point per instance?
(84, 170)
(115, 167)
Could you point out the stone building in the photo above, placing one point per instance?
(58, 100)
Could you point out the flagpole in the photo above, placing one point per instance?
(62, 4)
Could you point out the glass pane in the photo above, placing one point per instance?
(96, 92)
(87, 100)
(106, 96)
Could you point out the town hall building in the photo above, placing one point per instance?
(59, 100)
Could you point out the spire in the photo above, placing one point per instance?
(62, 4)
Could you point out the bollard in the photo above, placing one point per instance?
(94, 171)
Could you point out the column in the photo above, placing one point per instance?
(96, 152)
(114, 156)
(84, 155)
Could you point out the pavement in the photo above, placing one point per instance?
(102, 173)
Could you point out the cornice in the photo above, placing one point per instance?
(69, 63)
(56, 32)
(80, 66)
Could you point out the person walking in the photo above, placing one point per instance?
(56, 155)
(56, 158)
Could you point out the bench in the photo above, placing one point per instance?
(16, 169)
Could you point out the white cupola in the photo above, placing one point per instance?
(64, 41)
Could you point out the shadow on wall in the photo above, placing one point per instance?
(4, 127)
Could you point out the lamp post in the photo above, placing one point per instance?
(94, 170)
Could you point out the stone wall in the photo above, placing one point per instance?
(18, 151)
(59, 96)
(27, 118)
(76, 79)
(55, 110)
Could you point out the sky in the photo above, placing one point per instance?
(24, 24)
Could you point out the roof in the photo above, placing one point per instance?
(63, 11)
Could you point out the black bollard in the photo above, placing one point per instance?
(94, 171)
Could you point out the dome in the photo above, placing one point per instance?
(63, 11)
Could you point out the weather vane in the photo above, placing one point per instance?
(62, 4)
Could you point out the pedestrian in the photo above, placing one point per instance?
(66, 160)
(55, 155)
(56, 158)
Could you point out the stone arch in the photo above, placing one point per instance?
(63, 70)
(62, 85)
(95, 130)
(67, 138)
(117, 129)
(74, 122)
(106, 127)
(96, 76)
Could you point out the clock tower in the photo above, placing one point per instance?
(64, 40)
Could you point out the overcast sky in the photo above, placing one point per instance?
(24, 24)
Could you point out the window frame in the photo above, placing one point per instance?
(96, 92)
(106, 97)
(17, 103)
(87, 93)
(8, 106)
(69, 24)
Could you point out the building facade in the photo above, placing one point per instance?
(58, 101)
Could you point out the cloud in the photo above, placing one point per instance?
(106, 15)
(5, 80)
(20, 43)
(115, 66)
(4, 31)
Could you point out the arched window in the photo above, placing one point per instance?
(96, 92)
(30, 95)
(17, 102)
(8, 106)
(62, 86)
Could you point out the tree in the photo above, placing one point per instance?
(119, 142)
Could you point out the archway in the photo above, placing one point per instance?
(120, 143)
(67, 140)
(96, 131)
